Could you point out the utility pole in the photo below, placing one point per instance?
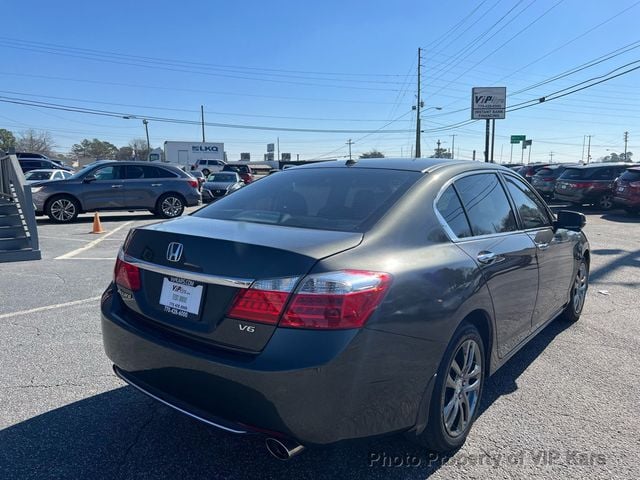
(278, 143)
(493, 136)
(626, 139)
(550, 156)
(584, 140)
(438, 150)
(418, 106)
(501, 148)
(349, 143)
(589, 150)
(486, 140)
(146, 129)
(453, 145)
(202, 121)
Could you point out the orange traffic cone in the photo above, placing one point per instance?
(97, 226)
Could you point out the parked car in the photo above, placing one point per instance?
(199, 176)
(42, 175)
(28, 164)
(589, 184)
(344, 299)
(528, 171)
(627, 190)
(208, 166)
(544, 180)
(221, 184)
(245, 172)
(115, 185)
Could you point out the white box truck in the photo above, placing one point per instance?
(195, 155)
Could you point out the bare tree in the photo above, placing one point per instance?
(139, 147)
(35, 141)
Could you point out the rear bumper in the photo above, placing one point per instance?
(315, 387)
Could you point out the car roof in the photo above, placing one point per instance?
(600, 165)
(47, 170)
(422, 165)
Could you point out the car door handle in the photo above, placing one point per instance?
(156, 184)
(116, 186)
(487, 257)
(542, 246)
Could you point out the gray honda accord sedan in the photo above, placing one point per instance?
(343, 300)
(164, 190)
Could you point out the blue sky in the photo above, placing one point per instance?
(330, 65)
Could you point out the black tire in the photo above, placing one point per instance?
(206, 172)
(170, 205)
(438, 436)
(62, 209)
(579, 289)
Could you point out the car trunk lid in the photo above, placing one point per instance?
(192, 269)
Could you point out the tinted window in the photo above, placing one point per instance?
(452, 212)
(222, 177)
(631, 176)
(157, 172)
(112, 172)
(486, 204)
(35, 175)
(29, 164)
(574, 174)
(66, 174)
(345, 199)
(608, 173)
(531, 211)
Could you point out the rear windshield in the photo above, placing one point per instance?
(630, 176)
(544, 172)
(344, 199)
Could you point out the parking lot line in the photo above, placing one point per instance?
(49, 307)
(93, 243)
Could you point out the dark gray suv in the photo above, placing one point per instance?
(111, 185)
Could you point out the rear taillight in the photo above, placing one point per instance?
(333, 300)
(194, 183)
(127, 275)
(344, 299)
(264, 301)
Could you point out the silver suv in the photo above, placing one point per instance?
(112, 185)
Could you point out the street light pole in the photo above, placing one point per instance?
(146, 128)
(418, 105)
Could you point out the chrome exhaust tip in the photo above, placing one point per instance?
(283, 449)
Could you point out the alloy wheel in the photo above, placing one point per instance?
(606, 202)
(63, 209)
(171, 206)
(580, 285)
(462, 388)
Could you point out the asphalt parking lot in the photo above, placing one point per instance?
(566, 406)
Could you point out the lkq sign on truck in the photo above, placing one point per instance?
(188, 153)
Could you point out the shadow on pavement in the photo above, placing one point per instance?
(104, 218)
(122, 434)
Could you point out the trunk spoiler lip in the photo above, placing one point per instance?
(226, 281)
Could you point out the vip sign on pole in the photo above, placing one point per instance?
(488, 103)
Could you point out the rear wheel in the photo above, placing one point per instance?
(62, 209)
(573, 310)
(170, 205)
(457, 392)
(605, 202)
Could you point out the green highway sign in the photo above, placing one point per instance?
(518, 138)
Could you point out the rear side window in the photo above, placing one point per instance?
(452, 212)
(604, 174)
(344, 199)
(630, 176)
(157, 172)
(532, 212)
(574, 174)
(486, 204)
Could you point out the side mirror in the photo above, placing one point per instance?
(570, 220)
(89, 179)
